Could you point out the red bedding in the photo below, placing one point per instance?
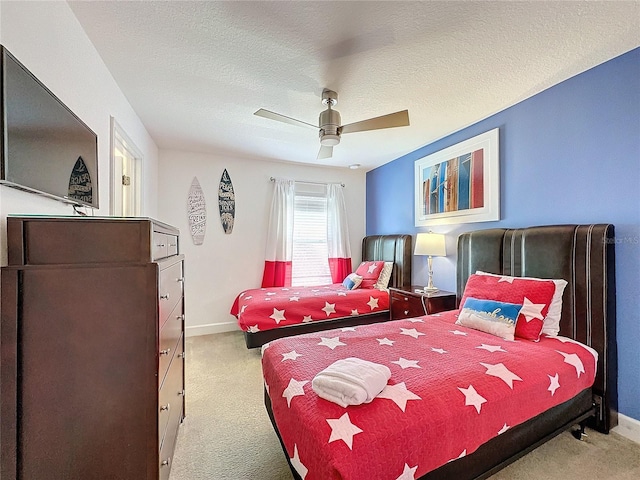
(267, 308)
(451, 389)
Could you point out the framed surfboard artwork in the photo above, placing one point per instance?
(197, 212)
(459, 184)
(226, 202)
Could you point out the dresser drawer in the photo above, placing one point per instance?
(172, 245)
(406, 306)
(169, 289)
(171, 393)
(168, 446)
(169, 336)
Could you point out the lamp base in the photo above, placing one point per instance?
(431, 289)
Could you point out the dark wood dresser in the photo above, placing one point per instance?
(92, 347)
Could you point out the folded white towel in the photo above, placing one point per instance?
(351, 381)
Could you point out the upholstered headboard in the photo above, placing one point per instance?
(391, 248)
(583, 255)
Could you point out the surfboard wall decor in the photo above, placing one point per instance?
(197, 209)
(226, 202)
(80, 186)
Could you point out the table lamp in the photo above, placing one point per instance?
(433, 245)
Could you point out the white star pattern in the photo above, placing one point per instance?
(532, 310)
(307, 318)
(438, 350)
(458, 332)
(504, 428)
(409, 473)
(285, 289)
(267, 299)
(277, 315)
(463, 454)
(399, 394)
(292, 355)
(271, 293)
(471, 397)
(554, 383)
(294, 389)
(502, 372)
(266, 387)
(343, 429)
(332, 343)
(253, 329)
(348, 329)
(404, 363)
(248, 297)
(297, 464)
(372, 268)
(294, 299)
(244, 307)
(329, 308)
(491, 348)
(385, 341)
(415, 320)
(506, 279)
(354, 312)
(342, 294)
(412, 332)
(242, 294)
(573, 359)
(373, 303)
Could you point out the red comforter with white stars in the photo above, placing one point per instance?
(451, 389)
(267, 308)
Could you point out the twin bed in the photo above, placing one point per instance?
(461, 403)
(265, 314)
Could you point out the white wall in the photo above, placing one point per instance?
(47, 38)
(224, 265)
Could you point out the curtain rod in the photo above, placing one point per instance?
(273, 179)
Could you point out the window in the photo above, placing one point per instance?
(310, 251)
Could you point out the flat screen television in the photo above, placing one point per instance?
(45, 147)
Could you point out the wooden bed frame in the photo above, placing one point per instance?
(583, 255)
(388, 248)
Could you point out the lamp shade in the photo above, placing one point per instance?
(430, 244)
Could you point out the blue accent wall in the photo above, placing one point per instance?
(570, 154)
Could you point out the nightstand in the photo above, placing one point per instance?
(412, 303)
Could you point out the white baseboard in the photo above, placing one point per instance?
(211, 328)
(628, 427)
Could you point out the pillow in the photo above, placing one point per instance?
(535, 296)
(551, 323)
(385, 276)
(352, 281)
(490, 316)
(370, 272)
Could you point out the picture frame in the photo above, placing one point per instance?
(459, 184)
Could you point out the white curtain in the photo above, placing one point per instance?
(277, 265)
(337, 234)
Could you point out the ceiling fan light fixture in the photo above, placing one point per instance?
(330, 140)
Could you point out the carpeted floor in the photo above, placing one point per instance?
(227, 434)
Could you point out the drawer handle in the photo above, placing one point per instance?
(182, 355)
(406, 312)
(165, 408)
(181, 279)
(165, 463)
(181, 393)
(180, 318)
(165, 352)
(406, 299)
(165, 296)
(161, 245)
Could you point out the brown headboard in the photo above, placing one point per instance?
(583, 255)
(391, 248)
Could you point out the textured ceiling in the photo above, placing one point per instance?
(195, 72)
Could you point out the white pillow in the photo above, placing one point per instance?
(551, 323)
(385, 276)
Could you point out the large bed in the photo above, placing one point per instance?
(262, 313)
(422, 432)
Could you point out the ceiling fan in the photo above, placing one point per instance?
(329, 123)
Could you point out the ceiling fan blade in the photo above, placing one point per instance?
(282, 118)
(398, 119)
(325, 152)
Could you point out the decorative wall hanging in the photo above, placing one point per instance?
(226, 202)
(459, 184)
(80, 186)
(197, 209)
